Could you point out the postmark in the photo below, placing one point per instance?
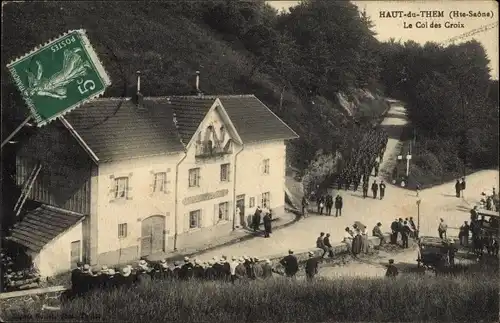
(59, 76)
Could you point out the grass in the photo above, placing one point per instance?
(469, 298)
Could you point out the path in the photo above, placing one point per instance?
(438, 201)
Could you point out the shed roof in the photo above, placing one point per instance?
(42, 225)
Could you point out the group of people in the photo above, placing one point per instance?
(266, 216)
(83, 279)
(490, 201)
(365, 159)
(325, 203)
(404, 229)
(481, 238)
(459, 187)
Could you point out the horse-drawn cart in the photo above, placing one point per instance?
(434, 252)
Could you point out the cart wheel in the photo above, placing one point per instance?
(403, 184)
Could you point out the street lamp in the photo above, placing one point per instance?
(418, 216)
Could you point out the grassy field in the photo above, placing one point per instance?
(470, 298)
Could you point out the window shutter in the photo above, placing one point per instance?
(228, 172)
(216, 213)
(167, 182)
(259, 200)
(111, 193)
(186, 222)
(200, 219)
(199, 177)
(152, 182)
(129, 187)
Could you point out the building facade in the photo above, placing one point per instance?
(160, 174)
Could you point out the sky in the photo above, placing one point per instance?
(387, 28)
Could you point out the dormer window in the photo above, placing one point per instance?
(222, 133)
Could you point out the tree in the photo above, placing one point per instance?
(319, 170)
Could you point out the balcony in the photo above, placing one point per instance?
(207, 149)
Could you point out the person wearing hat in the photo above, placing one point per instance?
(256, 219)
(226, 268)
(248, 266)
(257, 268)
(291, 264)
(232, 266)
(176, 270)
(186, 271)
(165, 271)
(392, 271)
(125, 278)
(210, 272)
(109, 280)
(198, 270)
(311, 266)
(76, 282)
(267, 269)
(86, 278)
(267, 225)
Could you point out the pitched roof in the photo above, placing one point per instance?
(253, 120)
(42, 225)
(114, 129)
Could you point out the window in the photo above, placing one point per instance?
(194, 177)
(224, 211)
(122, 230)
(195, 219)
(252, 202)
(266, 166)
(121, 187)
(159, 182)
(75, 253)
(224, 172)
(266, 197)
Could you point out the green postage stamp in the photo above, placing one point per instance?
(59, 76)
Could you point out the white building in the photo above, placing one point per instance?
(149, 175)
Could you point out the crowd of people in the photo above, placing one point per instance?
(364, 160)
(483, 233)
(83, 279)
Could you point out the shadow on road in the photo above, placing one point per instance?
(449, 195)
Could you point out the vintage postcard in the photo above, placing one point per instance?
(251, 161)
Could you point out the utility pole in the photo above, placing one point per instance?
(418, 217)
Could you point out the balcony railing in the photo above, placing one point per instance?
(207, 149)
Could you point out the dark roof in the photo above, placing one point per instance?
(42, 225)
(115, 129)
(190, 112)
(253, 120)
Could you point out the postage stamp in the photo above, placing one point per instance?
(59, 76)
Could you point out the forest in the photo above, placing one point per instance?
(295, 62)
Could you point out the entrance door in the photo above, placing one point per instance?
(153, 235)
(75, 253)
(240, 203)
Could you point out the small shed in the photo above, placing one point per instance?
(53, 238)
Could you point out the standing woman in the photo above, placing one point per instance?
(365, 244)
(356, 243)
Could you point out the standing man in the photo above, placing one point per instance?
(311, 266)
(374, 189)
(382, 189)
(464, 234)
(339, 203)
(321, 205)
(256, 219)
(442, 229)
(291, 264)
(267, 225)
(365, 189)
(376, 168)
(405, 231)
(458, 188)
(305, 203)
(462, 186)
(329, 204)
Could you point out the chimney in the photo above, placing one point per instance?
(198, 83)
(138, 96)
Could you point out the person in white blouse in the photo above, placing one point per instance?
(348, 238)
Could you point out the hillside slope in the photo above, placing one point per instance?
(168, 43)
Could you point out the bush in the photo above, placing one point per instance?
(470, 298)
